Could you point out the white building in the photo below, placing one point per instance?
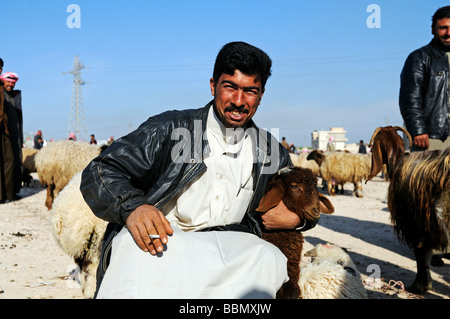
(319, 139)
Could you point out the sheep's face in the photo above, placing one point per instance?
(317, 155)
(300, 191)
(297, 188)
(329, 252)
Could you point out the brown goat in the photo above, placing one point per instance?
(418, 197)
(297, 188)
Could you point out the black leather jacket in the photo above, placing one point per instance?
(424, 96)
(139, 168)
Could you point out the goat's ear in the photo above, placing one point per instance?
(377, 160)
(325, 205)
(272, 198)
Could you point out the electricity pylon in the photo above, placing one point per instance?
(76, 119)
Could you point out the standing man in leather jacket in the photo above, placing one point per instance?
(200, 172)
(424, 92)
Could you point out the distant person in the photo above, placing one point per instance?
(93, 140)
(72, 137)
(330, 146)
(284, 143)
(110, 141)
(11, 138)
(424, 90)
(362, 147)
(38, 140)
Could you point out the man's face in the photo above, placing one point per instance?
(9, 85)
(236, 98)
(441, 31)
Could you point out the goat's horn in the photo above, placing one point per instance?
(373, 135)
(404, 131)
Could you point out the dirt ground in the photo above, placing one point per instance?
(33, 266)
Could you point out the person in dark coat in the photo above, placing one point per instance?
(424, 93)
(362, 147)
(11, 138)
(38, 140)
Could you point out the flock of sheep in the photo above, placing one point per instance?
(80, 233)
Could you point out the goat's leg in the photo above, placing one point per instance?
(422, 283)
(290, 289)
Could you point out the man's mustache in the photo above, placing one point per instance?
(236, 108)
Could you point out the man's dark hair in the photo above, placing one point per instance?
(1, 63)
(441, 13)
(243, 57)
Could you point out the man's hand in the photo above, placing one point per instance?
(280, 217)
(422, 141)
(148, 220)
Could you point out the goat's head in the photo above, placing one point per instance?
(316, 155)
(386, 145)
(297, 188)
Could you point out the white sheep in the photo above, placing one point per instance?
(339, 168)
(79, 232)
(59, 161)
(331, 274)
(301, 160)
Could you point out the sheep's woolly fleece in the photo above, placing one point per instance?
(331, 274)
(33, 265)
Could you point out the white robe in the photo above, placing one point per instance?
(194, 265)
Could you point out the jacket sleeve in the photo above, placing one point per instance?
(413, 81)
(114, 184)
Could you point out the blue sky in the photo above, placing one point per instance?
(147, 56)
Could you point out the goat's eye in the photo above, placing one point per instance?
(294, 186)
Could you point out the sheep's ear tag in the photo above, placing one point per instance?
(271, 199)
